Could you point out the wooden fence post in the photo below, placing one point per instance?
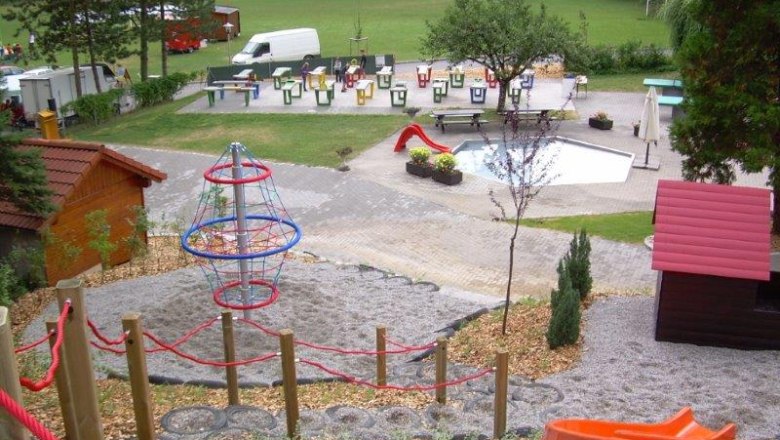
(62, 383)
(78, 361)
(9, 381)
(139, 378)
(229, 345)
(502, 381)
(289, 381)
(441, 369)
(381, 357)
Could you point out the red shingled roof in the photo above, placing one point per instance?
(67, 162)
(712, 230)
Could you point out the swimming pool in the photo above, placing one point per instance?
(573, 161)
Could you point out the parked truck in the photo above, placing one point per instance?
(55, 89)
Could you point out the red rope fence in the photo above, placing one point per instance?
(354, 380)
(32, 345)
(55, 355)
(20, 414)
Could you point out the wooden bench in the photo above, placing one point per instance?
(365, 90)
(384, 77)
(324, 89)
(211, 90)
(671, 101)
(289, 89)
(279, 74)
(472, 117)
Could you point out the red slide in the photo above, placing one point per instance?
(414, 129)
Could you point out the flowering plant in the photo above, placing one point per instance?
(601, 116)
(420, 155)
(445, 163)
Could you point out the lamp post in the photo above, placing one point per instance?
(228, 30)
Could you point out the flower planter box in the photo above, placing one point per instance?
(601, 124)
(453, 178)
(419, 170)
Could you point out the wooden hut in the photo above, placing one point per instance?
(224, 15)
(84, 177)
(716, 284)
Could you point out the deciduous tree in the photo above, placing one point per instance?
(505, 36)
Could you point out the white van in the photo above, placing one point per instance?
(286, 45)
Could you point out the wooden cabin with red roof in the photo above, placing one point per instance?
(718, 283)
(84, 177)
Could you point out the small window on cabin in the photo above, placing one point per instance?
(768, 296)
(262, 49)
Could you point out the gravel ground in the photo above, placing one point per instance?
(323, 303)
(624, 374)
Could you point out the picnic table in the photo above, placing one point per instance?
(490, 78)
(457, 77)
(478, 91)
(440, 88)
(668, 87)
(515, 90)
(279, 74)
(352, 75)
(244, 74)
(320, 72)
(398, 94)
(423, 75)
(528, 114)
(472, 117)
(292, 88)
(384, 77)
(324, 92)
(365, 90)
(239, 83)
(211, 91)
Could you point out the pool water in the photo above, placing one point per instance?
(570, 161)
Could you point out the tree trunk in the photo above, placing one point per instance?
(509, 280)
(503, 86)
(74, 46)
(91, 49)
(163, 52)
(143, 36)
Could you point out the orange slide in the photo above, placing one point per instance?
(681, 426)
(414, 129)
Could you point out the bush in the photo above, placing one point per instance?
(578, 264)
(158, 90)
(420, 155)
(564, 328)
(445, 163)
(96, 108)
(11, 287)
(629, 57)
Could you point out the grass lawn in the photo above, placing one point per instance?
(293, 138)
(391, 27)
(628, 227)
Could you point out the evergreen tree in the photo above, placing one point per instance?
(564, 328)
(731, 72)
(579, 264)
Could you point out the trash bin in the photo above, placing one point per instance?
(47, 120)
(567, 85)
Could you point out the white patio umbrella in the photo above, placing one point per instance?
(650, 126)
